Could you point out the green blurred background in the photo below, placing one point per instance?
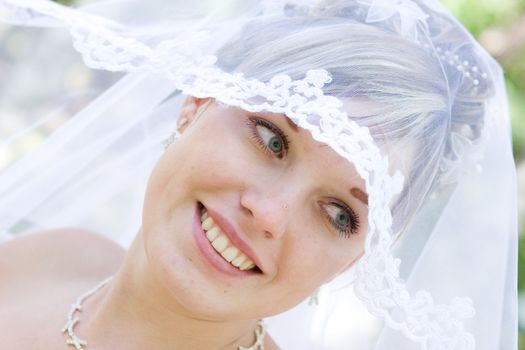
(500, 27)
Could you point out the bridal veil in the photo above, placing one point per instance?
(439, 269)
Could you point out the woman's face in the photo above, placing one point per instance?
(275, 197)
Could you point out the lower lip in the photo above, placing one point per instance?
(210, 254)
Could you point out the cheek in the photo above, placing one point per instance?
(200, 156)
(313, 259)
(226, 162)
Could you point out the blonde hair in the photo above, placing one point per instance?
(403, 79)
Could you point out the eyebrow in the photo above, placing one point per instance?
(357, 193)
(292, 125)
(290, 122)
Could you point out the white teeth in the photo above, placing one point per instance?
(221, 244)
(207, 224)
(213, 233)
(237, 262)
(230, 253)
(246, 265)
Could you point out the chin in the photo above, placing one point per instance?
(170, 257)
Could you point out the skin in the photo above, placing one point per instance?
(165, 293)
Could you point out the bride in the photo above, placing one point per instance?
(313, 151)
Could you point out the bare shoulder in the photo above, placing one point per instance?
(40, 273)
(61, 253)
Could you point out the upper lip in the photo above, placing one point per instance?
(227, 228)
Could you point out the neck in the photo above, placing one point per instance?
(134, 311)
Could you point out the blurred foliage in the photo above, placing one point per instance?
(479, 16)
(521, 259)
(64, 2)
(515, 76)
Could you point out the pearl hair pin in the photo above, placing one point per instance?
(468, 70)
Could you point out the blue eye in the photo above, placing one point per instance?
(269, 137)
(342, 218)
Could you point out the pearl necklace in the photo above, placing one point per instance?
(79, 344)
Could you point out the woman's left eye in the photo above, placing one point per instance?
(343, 218)
(269, 137)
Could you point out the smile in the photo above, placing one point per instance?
(222, 244)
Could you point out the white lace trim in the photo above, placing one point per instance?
(378, 283)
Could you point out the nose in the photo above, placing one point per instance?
(269, 212)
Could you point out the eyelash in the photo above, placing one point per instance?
(253, 123)
(353, 225)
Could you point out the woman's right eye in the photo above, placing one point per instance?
(269, 137)
(342, 217)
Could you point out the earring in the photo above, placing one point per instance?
(181, 122)
(171, 139)
(175, 135)
(314, 298)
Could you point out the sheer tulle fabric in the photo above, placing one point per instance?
(429, 263)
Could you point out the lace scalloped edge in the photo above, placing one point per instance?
(378, 286)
